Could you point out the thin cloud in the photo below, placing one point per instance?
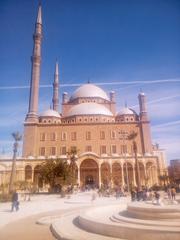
(171, 80)
(159, 100)
(167, 124)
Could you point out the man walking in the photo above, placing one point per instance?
(15, 203)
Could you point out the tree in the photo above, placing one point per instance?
(54, 171)
(72, 157)
(17, 137)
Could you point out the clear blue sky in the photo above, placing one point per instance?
(102, 40)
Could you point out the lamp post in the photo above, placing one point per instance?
(125, 151)
(17, 137)
(132, 137)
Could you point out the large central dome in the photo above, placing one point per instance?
(89, 109)
(89, 90)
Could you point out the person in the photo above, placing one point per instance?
(27, 195)
(118, 193)
(93, 197)
(169, 193)
(173, 193)
(157, 197)
(133, 195)
(15, 202)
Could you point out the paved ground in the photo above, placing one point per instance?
(22, 225)
(26, 229)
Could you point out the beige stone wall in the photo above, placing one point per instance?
(32, 142)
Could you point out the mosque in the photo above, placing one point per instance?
(89, 123)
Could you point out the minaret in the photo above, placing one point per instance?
(142, 107)
(32, 115)
(55, 99)
(144, 125)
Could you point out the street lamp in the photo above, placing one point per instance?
(125, 151)
(17, 137)
(132, 137)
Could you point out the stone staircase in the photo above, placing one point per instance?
(138, 221)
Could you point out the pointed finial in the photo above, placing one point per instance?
(141, 92)
(39, 15)
(56, 68)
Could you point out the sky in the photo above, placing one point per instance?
(121, 45)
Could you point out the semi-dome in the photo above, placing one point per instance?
(88, 109)
(50, 113)
(89, 90)
(125, 111)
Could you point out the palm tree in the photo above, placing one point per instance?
(17, 137)
(72, 157)
(54, 171)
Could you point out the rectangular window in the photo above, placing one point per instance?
(63, 136)
(73, 149)
(63, 150)
(42, 137)
(42, 151)
(102, 135)
(103, 149)
(53, 136)
(88, 135)
(88, 148)
(53, 151)
(73, 136)
(113, 149)
(113, 134)
(123, 149)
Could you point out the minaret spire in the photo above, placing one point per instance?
(142, 106)
(32, 115)
(55, 99)
(39, 15)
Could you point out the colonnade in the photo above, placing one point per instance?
(109, 173)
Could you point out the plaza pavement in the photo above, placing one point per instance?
(22, 225)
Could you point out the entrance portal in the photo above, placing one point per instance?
(89, 181)
(89, 173)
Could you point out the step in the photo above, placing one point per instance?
(95, 221)
(123, 219)
(67, 228)
(153, 212)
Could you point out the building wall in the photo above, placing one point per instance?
(76, 135)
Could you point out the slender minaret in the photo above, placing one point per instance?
(144, 125)
(32, 115)
(142, 106)
(55, 99)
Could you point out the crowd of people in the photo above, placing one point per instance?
(142, 194)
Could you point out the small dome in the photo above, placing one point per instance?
(89, 90)
(50, 113)
(141, 94)
(89, 109)
(125, 111)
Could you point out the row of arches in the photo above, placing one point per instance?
(89, 172)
